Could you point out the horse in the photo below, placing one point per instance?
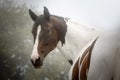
(51, 31)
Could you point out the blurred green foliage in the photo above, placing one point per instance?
(16, 45)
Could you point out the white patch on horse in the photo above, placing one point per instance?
(35, 54)
(77, 36)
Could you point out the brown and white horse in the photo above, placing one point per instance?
(52, 32)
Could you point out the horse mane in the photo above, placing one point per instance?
(60, 26)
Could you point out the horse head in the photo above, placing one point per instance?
(47, 31)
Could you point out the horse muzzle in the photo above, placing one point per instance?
(37, 63)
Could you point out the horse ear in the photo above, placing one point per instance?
(46, 13)
(32, 15)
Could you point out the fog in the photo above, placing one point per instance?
(100, 14)
(16, 43)
(16, 40)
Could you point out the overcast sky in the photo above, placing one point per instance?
(103, 14)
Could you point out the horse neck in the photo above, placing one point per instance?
(76, 38)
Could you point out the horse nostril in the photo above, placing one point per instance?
(32, 62)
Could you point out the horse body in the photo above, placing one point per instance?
(70, 38)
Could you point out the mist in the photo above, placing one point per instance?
(100, 14)
(16, 43)
(16, 40)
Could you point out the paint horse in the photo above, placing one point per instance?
(51, 31)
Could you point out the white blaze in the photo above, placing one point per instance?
(35, 54)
